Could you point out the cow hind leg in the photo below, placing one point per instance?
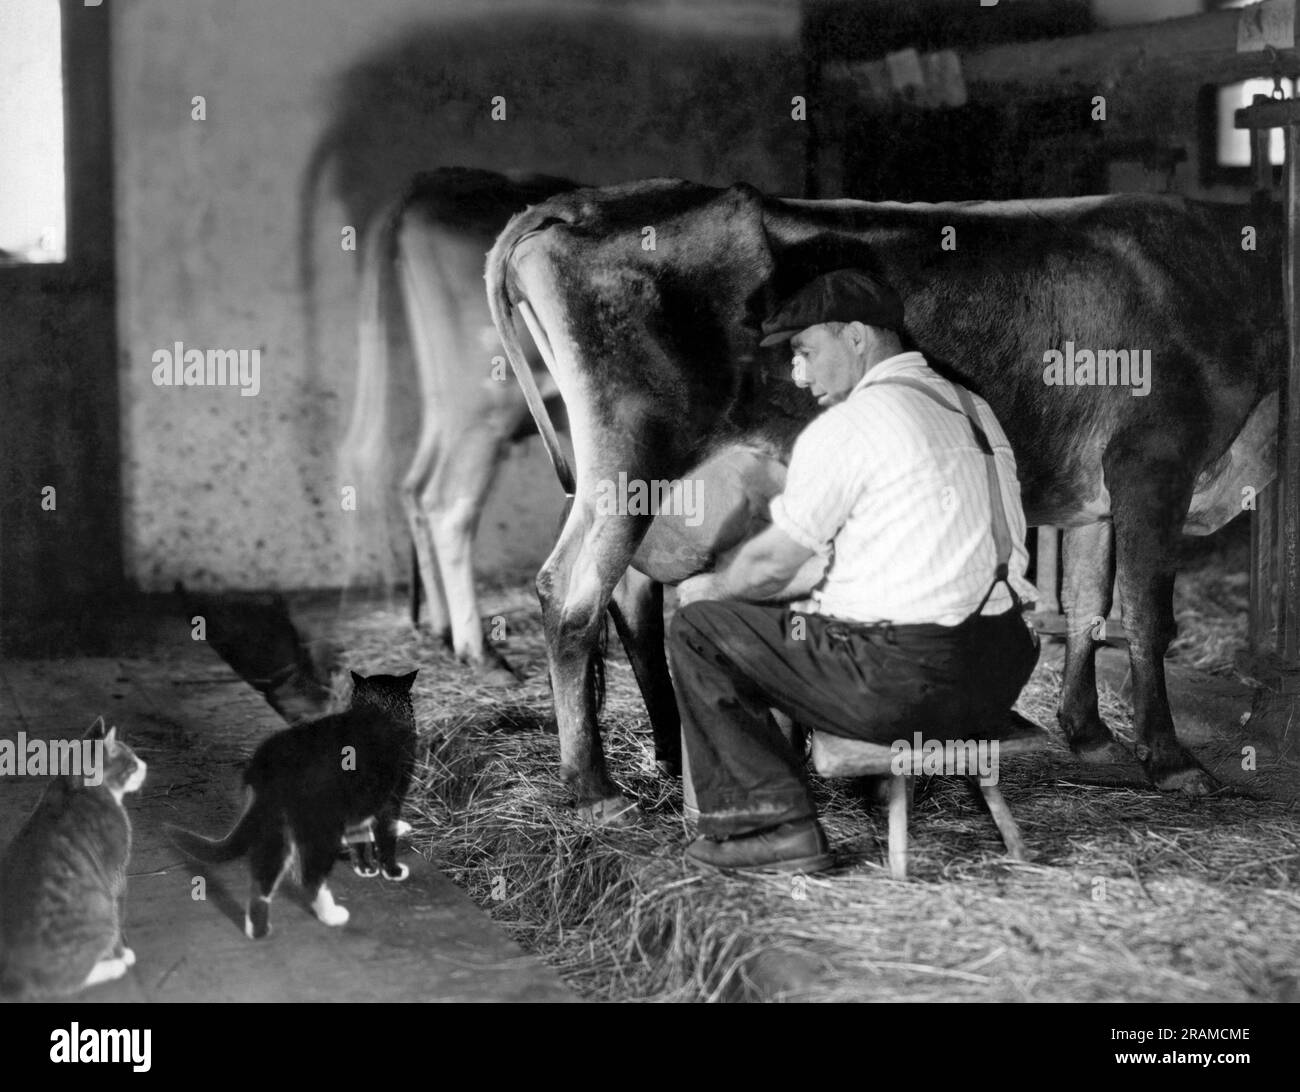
(1150, 491)
(460, 438)
(1088, 582)
(638, 611)
(575, 587)
(426, 570)
(453, 502)
(429, 307)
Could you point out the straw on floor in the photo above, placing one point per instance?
(1132, 895)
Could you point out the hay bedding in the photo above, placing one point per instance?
(1133, 896)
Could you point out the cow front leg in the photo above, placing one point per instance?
(575, 586)
(1150, 491)
(1088, 580)
(638, 610)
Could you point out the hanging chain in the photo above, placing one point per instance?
(1279, 92)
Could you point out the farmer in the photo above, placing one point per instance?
(916, 624)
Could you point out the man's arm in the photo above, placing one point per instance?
(771, 566)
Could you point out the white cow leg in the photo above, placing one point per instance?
(453, 503)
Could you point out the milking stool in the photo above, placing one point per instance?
(837, 756)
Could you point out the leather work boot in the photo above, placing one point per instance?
(791, 847)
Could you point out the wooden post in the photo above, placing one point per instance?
(1263, 572)
(1260, 166)
(1289, 415)
(1263, 531)
(1261, 115)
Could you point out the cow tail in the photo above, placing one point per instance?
(503, 317)
(365, 454)
(498, 291)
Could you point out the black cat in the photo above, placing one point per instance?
(63, 881)
(309, 784)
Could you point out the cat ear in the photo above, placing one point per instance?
(96, 730)
(112, 735)
(408, 681)
(357, 679)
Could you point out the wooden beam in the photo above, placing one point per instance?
(1268, 113)
(1196, 48)
(1199, 47)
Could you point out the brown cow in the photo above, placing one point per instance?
(654, 350)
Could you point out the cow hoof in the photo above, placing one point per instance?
(612, 811)
(1101, 752)
(1190, 782)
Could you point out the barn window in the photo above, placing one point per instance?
(1224, 150)
(33, 216)
(1233, 144)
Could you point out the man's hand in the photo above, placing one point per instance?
(759, 568)
(695, 588)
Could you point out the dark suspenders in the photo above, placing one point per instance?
(998, 517)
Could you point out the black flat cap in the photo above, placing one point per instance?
(843, 295)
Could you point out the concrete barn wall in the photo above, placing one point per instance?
(242, 491)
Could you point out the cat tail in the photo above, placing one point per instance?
(213, 850)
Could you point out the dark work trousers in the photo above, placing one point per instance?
(733, 662)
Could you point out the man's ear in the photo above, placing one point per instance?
(857, 334)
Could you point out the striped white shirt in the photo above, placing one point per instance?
(894, 486)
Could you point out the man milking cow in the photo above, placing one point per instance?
(908, 486)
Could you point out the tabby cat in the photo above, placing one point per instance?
(309, 784)
(63, 882)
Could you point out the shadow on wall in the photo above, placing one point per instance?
(597, 98)
(590, 97)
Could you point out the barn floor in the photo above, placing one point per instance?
(194, 722)
(1131, 895)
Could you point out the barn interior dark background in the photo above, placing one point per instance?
(317, 110)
